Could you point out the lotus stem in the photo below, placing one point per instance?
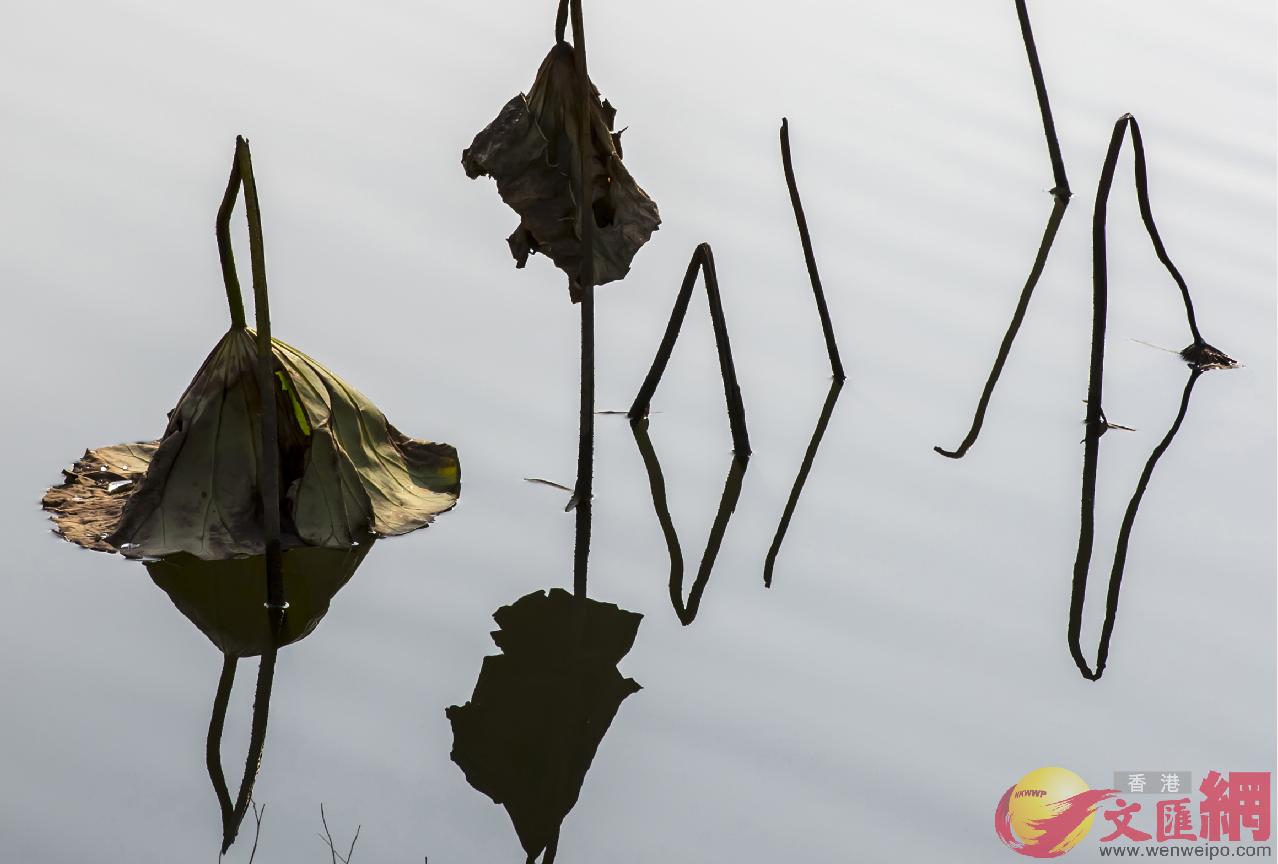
(233, 814)
(226, 254)
(809, 456)
(1096, 423)
(213, 745)
(1061, 189)
(1062, 194)
(268, 460)
(686, 611)
(561, 21)
(1120, 549)
(831, 347)
(703, 261)
(1013, 328)
(586, 280)
(1147, 216)
(1096, 374)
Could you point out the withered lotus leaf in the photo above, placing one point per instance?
(531, 151)
(346, 472)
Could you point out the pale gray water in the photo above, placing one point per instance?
(909, 663)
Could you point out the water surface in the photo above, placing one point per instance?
(908, 663)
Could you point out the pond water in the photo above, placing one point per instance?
(909, 662)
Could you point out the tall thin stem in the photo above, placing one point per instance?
(827, 328)
(1061, 193)
(586, 280)
(1095, 423)
(1061, 190)
(268, 461)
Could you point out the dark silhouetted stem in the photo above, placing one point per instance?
(687, 611)
(233, 815)
(1061, 193)
(269, 458)
(586, 279)
(1121, 546)
(831, 347)
(226, 254)
(257, 737)
(585, 447)
(213, 746)
(657, 486)
(1147, 216)
(561, 21)
(1018, 316)
(702, 260)
(1095, 424)
(802, 477)
(1061, 190)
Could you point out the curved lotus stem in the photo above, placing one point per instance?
(222, 228)
(233, 814)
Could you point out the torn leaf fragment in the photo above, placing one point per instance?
(531, 151)
(86, 507)
(1200, 355)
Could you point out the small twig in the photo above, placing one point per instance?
(552, 484)
(702, 261)
(827, 328)
(327, 837)
(257, 829)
